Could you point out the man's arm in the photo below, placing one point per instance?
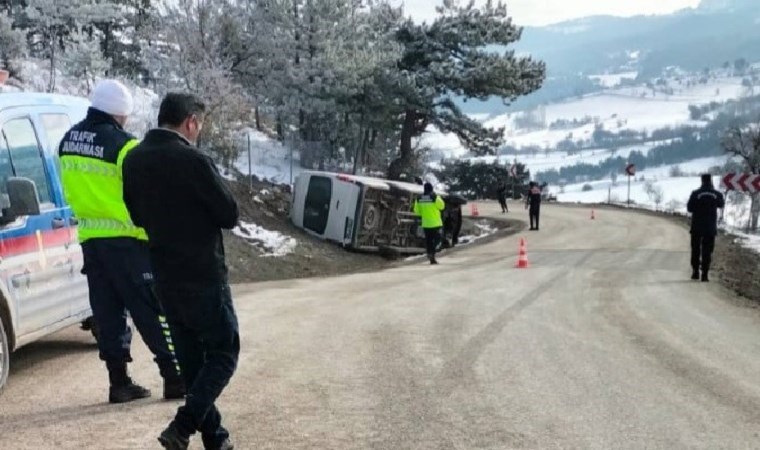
(692, 203)
(439, 203)
(721, 201)
(214, 194)
(128, 197)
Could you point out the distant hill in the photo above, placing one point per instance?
(716, 32)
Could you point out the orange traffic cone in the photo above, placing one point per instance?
(522, 261)
(593, 215)
(474, 210)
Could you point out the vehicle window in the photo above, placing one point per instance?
(26, 155)
(56, 126)
(317, 208)
(6, 168)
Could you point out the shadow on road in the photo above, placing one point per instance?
(45, 351)
(66, 414)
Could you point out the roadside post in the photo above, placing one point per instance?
(630, 170)
(250, 164)
(741, 182)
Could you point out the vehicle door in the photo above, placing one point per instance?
(35, 264)
(54, 122)
(316, 211)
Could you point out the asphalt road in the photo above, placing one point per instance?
(603, 343)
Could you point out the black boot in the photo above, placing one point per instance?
(695, 274)
(123, 389)
(172, 439)
(705, 278)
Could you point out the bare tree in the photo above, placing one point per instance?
(744, 144)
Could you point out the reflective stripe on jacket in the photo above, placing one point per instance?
(91, 156)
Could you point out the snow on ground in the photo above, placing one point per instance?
(543, 161)
(270, 159)
(750, 241)
(676, 191)
(631, 108)
(613, 80)
(271, 243)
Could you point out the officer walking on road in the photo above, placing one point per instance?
(116, 259)
(176, 193)
(533, 204)
(429, 207)
(703, 205)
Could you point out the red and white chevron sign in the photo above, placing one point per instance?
(742, 182)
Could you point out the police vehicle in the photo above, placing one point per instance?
(41, 287)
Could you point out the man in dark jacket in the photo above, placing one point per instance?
(703, 205)
(502, 194)
(116, 259)
(533, 204)
(176, 193)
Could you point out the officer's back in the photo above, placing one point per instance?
(703, 205)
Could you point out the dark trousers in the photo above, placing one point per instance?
(432, 239)
(702, 246)
(534, 212)
(120, 280)
(503, 203)
(205, 329)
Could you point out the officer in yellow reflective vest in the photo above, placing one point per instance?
(116, 259)
(429, 208)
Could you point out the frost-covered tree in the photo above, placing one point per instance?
(190, 51)
(84, 60)
(52, 22)
(462, 54)
(12, 44)
(313, 68)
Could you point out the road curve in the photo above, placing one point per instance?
(603, 343)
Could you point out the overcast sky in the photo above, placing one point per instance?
(543, 12)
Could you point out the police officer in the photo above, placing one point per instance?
(533, 204)
(177, 194)
(116, 259)
(703, 205)
(429, 207)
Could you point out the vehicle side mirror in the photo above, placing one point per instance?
(23, 196)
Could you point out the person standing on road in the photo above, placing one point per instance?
(429, 207)
(116, 259)
(533, 204)
(176, 193)
(703, 205)
(502, 193)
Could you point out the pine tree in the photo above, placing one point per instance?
(456, 56)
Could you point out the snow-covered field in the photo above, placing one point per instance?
(613, 80)
(542, 161)
(630, 108)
